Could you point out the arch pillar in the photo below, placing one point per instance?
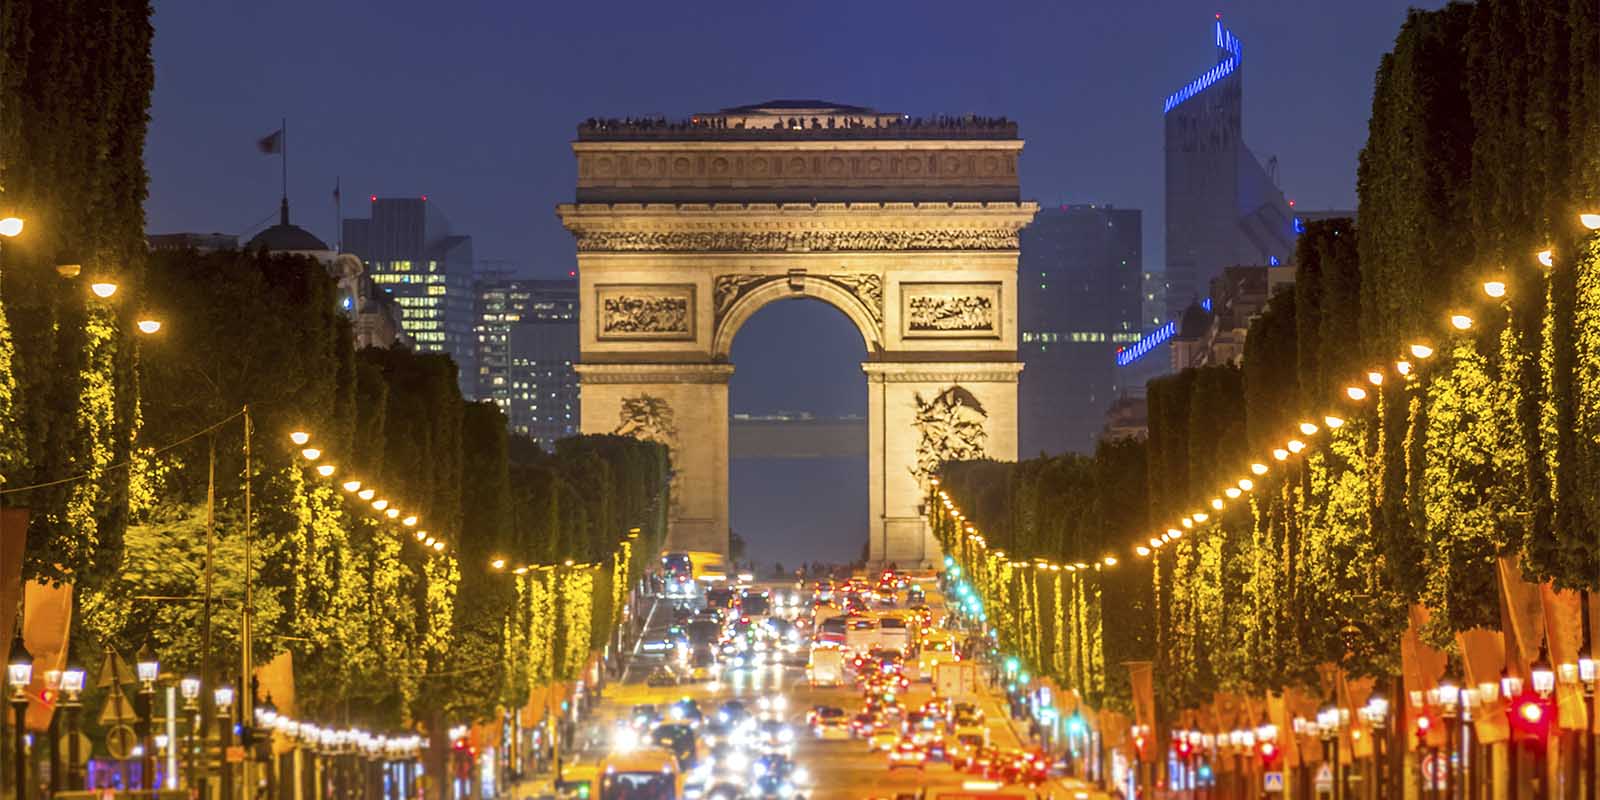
(685, 407)
(919, 414)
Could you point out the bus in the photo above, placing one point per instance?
(650, 774)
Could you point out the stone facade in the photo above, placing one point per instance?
(683, 236)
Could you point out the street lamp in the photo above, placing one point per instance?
(223, 695)
(148, 668)
(19, 673)
(189, 687)
(1587, 676)
(1447, 698)
(11, 227)
(1542, 676)
(72, 704)
(1331, 722)
(1376, 714)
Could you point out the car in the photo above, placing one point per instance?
(677, 739)
(884, 738)
(686, 711)
(862, 725)
(732, 712)
(830, 723)
(774, 736)
(906, 754)
(661, 676)
(644, 715)
(936, 749)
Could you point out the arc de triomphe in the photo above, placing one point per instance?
(909, 227)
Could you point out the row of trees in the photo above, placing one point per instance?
(1484, 147)
(116, 441)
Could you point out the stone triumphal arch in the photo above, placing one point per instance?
(908, 226)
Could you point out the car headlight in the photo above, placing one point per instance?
(786, 735)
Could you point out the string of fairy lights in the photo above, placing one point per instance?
(1298, 441)
(367, 494)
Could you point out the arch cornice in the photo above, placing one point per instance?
(841, 292)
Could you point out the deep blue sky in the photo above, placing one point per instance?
(474, 103)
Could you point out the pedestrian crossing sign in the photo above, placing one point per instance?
(1272, 782)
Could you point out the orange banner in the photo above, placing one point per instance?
(1524, 615)
(13, 535)
(46, 625)
(1422, 666)
(1563, 619)
(1141, 674)
(1484, 653)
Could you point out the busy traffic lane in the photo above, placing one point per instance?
(844, 768)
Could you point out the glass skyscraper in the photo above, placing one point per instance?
(527, 341)
(1079, 300)
(411, 253)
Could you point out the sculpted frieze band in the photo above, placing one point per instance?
(590, 241)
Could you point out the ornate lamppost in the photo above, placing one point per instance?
(148, 668)
(1447, 698)
(1587, 676)
(1543, 679)
(189, 687)
(1331, 723)
(223, 695)
(267, 725)
(72, 705)
(1376, 714)
(19, 673)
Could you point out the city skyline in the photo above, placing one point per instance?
(500, 174)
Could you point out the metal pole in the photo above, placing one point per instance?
(19, 710)
(246, 631)
(147, 764)
(224, 741)
(73, 707)
(1449, 758)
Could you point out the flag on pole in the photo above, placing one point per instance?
(272, 143)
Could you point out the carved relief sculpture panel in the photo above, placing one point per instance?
(950, 310)
(645, 312)
(950, 427)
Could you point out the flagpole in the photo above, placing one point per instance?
(283, 153)
(338, 215)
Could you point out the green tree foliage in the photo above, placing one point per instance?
(72, 134)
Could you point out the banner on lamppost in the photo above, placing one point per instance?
(1484, 653)
(1563, 617)
(46, 625)
(13, 536)
(1141, 677)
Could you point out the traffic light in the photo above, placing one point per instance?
(1424, 725)
(1269, 753)
(1532, 715)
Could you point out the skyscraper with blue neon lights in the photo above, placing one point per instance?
(1222, 207)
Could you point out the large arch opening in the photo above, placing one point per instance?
(798, 460)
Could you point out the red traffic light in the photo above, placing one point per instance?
(1183, 747)
(1532, 715)
(1269, 752)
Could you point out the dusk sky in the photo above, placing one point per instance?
(474, 105)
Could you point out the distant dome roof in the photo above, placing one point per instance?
(1195, 322)
(798, 105)
(287, 238)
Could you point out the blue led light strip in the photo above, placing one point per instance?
(1227, 43)
(1146, 343)
(1152, 340)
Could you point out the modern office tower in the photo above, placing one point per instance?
(1079, 279)
(527, 341)
(1224, 208)
(410, 251)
